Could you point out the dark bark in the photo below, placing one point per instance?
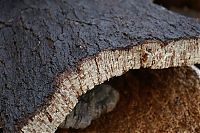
(41, 39)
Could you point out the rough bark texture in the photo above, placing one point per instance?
(102, 99)
(53, 51)
(152, 101)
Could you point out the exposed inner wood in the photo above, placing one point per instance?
(166, 100)
(106, 65)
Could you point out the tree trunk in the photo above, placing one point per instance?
(52, 52)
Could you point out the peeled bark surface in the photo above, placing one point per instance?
(152, 101)
(53, 51)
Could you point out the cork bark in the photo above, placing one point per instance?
(158, 101)
(52, 52)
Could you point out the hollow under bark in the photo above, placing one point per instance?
(52, 52)
(166, 100)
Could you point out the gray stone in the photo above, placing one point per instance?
(102, 99)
